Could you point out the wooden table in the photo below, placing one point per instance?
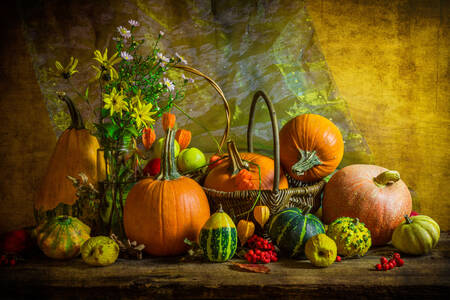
(420, 277)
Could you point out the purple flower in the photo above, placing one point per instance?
(162, 57)
(161, 33)
(182, 60)
(190, 80)
(133, 23)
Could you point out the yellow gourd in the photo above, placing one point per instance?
(75, 152)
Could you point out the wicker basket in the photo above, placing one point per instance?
(239, 203)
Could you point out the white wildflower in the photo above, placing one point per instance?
(169, 84)
(162, 57)
(124, 32)
(125, 55)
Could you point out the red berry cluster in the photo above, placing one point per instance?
(261, 250)
(338, 258)
(4, 261)
(386, 264)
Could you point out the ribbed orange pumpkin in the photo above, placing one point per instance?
(311, 147)
(168, 121)
(223, 176)
(75, 152)
(183, 138)
(160, 213)
(374, 195)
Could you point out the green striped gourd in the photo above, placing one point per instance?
(351, 236)
(61, 237)
(290, 229)
(218, 237)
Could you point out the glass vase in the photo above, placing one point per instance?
(113, 188)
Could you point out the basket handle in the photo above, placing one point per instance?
(276, 139)
(219, 90)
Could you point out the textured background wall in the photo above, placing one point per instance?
(389, 59)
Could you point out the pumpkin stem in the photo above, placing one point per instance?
(237, 163)
(168, 167)
(408, 219)
(220, 210)
(308, 159)
(75, 116)
(386, 178)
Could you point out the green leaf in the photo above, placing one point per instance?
(133, 131)
(86, 94)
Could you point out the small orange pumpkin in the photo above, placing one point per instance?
(229, 176)
(183, 138)
(161, 212)
(311, 147)
(168, 121)
(148, 137)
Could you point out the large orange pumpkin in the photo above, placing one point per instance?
(75, 152)
(160, 213)
(374, 195)
(311, 147)
(226, 176)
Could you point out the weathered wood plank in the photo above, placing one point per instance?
(425, 276)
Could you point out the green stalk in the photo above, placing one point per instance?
(168, 164)
(386, 178)
(308, 159)
(77, 120)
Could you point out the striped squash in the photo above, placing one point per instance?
(61, 237)
(218, 237)
(290, 229)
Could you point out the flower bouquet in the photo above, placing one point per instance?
(135, 90)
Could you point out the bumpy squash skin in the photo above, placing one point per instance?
(418, 237)
(219, 178)
(351, 236)
(311, 132)
(62, 237)
(351, 192)
(290, 229)
(218, 238)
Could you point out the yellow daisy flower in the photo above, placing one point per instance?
(114, 102)
(106, 65)
(142, 114)
(137, 98)
(67, 71)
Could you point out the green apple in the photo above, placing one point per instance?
(159, 146)
(190, 159)
(100, 251)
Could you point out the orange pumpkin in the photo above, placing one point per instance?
(75, 152)
(311, 147)
(183, 138)
(374, 195)
(160, 213)
(229, 176)
(168, 121)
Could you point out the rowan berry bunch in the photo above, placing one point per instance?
(385, 264)
(8, 260)
(261, 250)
